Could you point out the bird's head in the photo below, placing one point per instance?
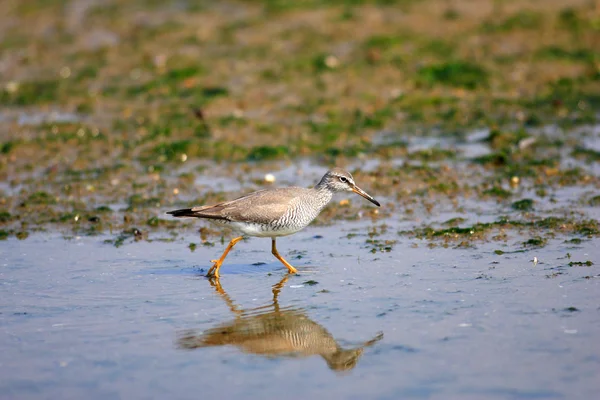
(339, 180)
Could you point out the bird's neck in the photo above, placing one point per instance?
(322, 194)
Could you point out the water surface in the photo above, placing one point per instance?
(83, 318)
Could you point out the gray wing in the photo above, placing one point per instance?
(262, 206)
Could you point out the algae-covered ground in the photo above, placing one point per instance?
(114, 112)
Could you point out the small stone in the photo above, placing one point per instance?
(65, 72)
(12, 86)
(269, 178)
(332, 61)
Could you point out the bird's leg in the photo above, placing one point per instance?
(214, 282)
(214, 270)
(276, 254)
(276, 289)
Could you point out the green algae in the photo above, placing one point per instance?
(523, 205)
(6, 147)
(121, 238)
(478, 231)
(523, 20)
(380, 245)
(22, 235)
(455, 73)
(587, 263)
(41, 197)
(432, 154)
(588, 155)
(454, 221)
(172, 151)
(594, 201)
(5, 217)
(261, 153)
(30, 93)
(497, 191)
(560, 53)
(536, 241)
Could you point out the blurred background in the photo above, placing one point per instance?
(110, 103)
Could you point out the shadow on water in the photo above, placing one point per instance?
(274, 331)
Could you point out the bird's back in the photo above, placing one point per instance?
(263, 206)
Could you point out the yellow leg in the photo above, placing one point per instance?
(214, 270)
(276, 254)
(214, 282)
(276, 289)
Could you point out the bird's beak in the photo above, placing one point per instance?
(364, 194)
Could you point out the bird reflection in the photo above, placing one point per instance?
(273, 331)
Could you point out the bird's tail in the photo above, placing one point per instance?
(184, 212)
(209, 212)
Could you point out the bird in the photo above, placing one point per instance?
(274, 212)
(274, 331)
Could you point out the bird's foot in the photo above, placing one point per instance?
(213, 272)
(292, 270)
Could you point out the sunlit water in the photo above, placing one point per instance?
(83, 319)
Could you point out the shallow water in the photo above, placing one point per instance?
(83, 318)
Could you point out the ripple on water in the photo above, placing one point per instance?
(459, 321)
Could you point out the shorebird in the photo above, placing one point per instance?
(274, 212)
(274, 331)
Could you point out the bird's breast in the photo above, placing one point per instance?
(264, 230)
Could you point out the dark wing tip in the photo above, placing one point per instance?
(185, 212)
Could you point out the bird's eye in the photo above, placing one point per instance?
(343, 179)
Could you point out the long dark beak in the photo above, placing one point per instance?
(366, 195)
